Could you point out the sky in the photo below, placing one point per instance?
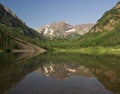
(37, 13)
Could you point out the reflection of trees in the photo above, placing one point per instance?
(109, 78)
(14, 67)
(104, 67)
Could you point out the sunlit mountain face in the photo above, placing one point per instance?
(109, 21)
(64, 30)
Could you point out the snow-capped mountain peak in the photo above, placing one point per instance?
(63, 29)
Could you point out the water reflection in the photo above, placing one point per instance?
(14, 67)
(63, 71)
(35, 83)
(59, 74)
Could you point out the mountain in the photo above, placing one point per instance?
(15, 34)
(64, 30)
(105, 33)
(13, 14)
(109, 20)
(107, 30)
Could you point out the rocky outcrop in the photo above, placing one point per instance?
(13, 14)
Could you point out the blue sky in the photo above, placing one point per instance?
(37, 13)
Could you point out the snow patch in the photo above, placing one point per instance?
(46, 30)
(51, 31)
(71, 30)
(47, 25)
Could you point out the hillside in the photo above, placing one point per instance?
(109, 20)
(12, 29)
(107, 30)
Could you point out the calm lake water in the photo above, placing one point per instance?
(59, 73)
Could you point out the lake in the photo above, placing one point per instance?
(59, 73)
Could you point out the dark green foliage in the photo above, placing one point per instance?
(12, 27)
(8, 35)
(6, 41)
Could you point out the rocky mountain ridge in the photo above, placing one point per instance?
(64, 29)
(13, 14)
(109, 20)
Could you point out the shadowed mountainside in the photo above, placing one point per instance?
(13, 29)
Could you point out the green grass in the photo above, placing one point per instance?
(92, 50)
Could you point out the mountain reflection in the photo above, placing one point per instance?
(60, 78)
(62, 71)
(54, 73)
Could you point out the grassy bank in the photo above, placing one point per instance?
(93, 50)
